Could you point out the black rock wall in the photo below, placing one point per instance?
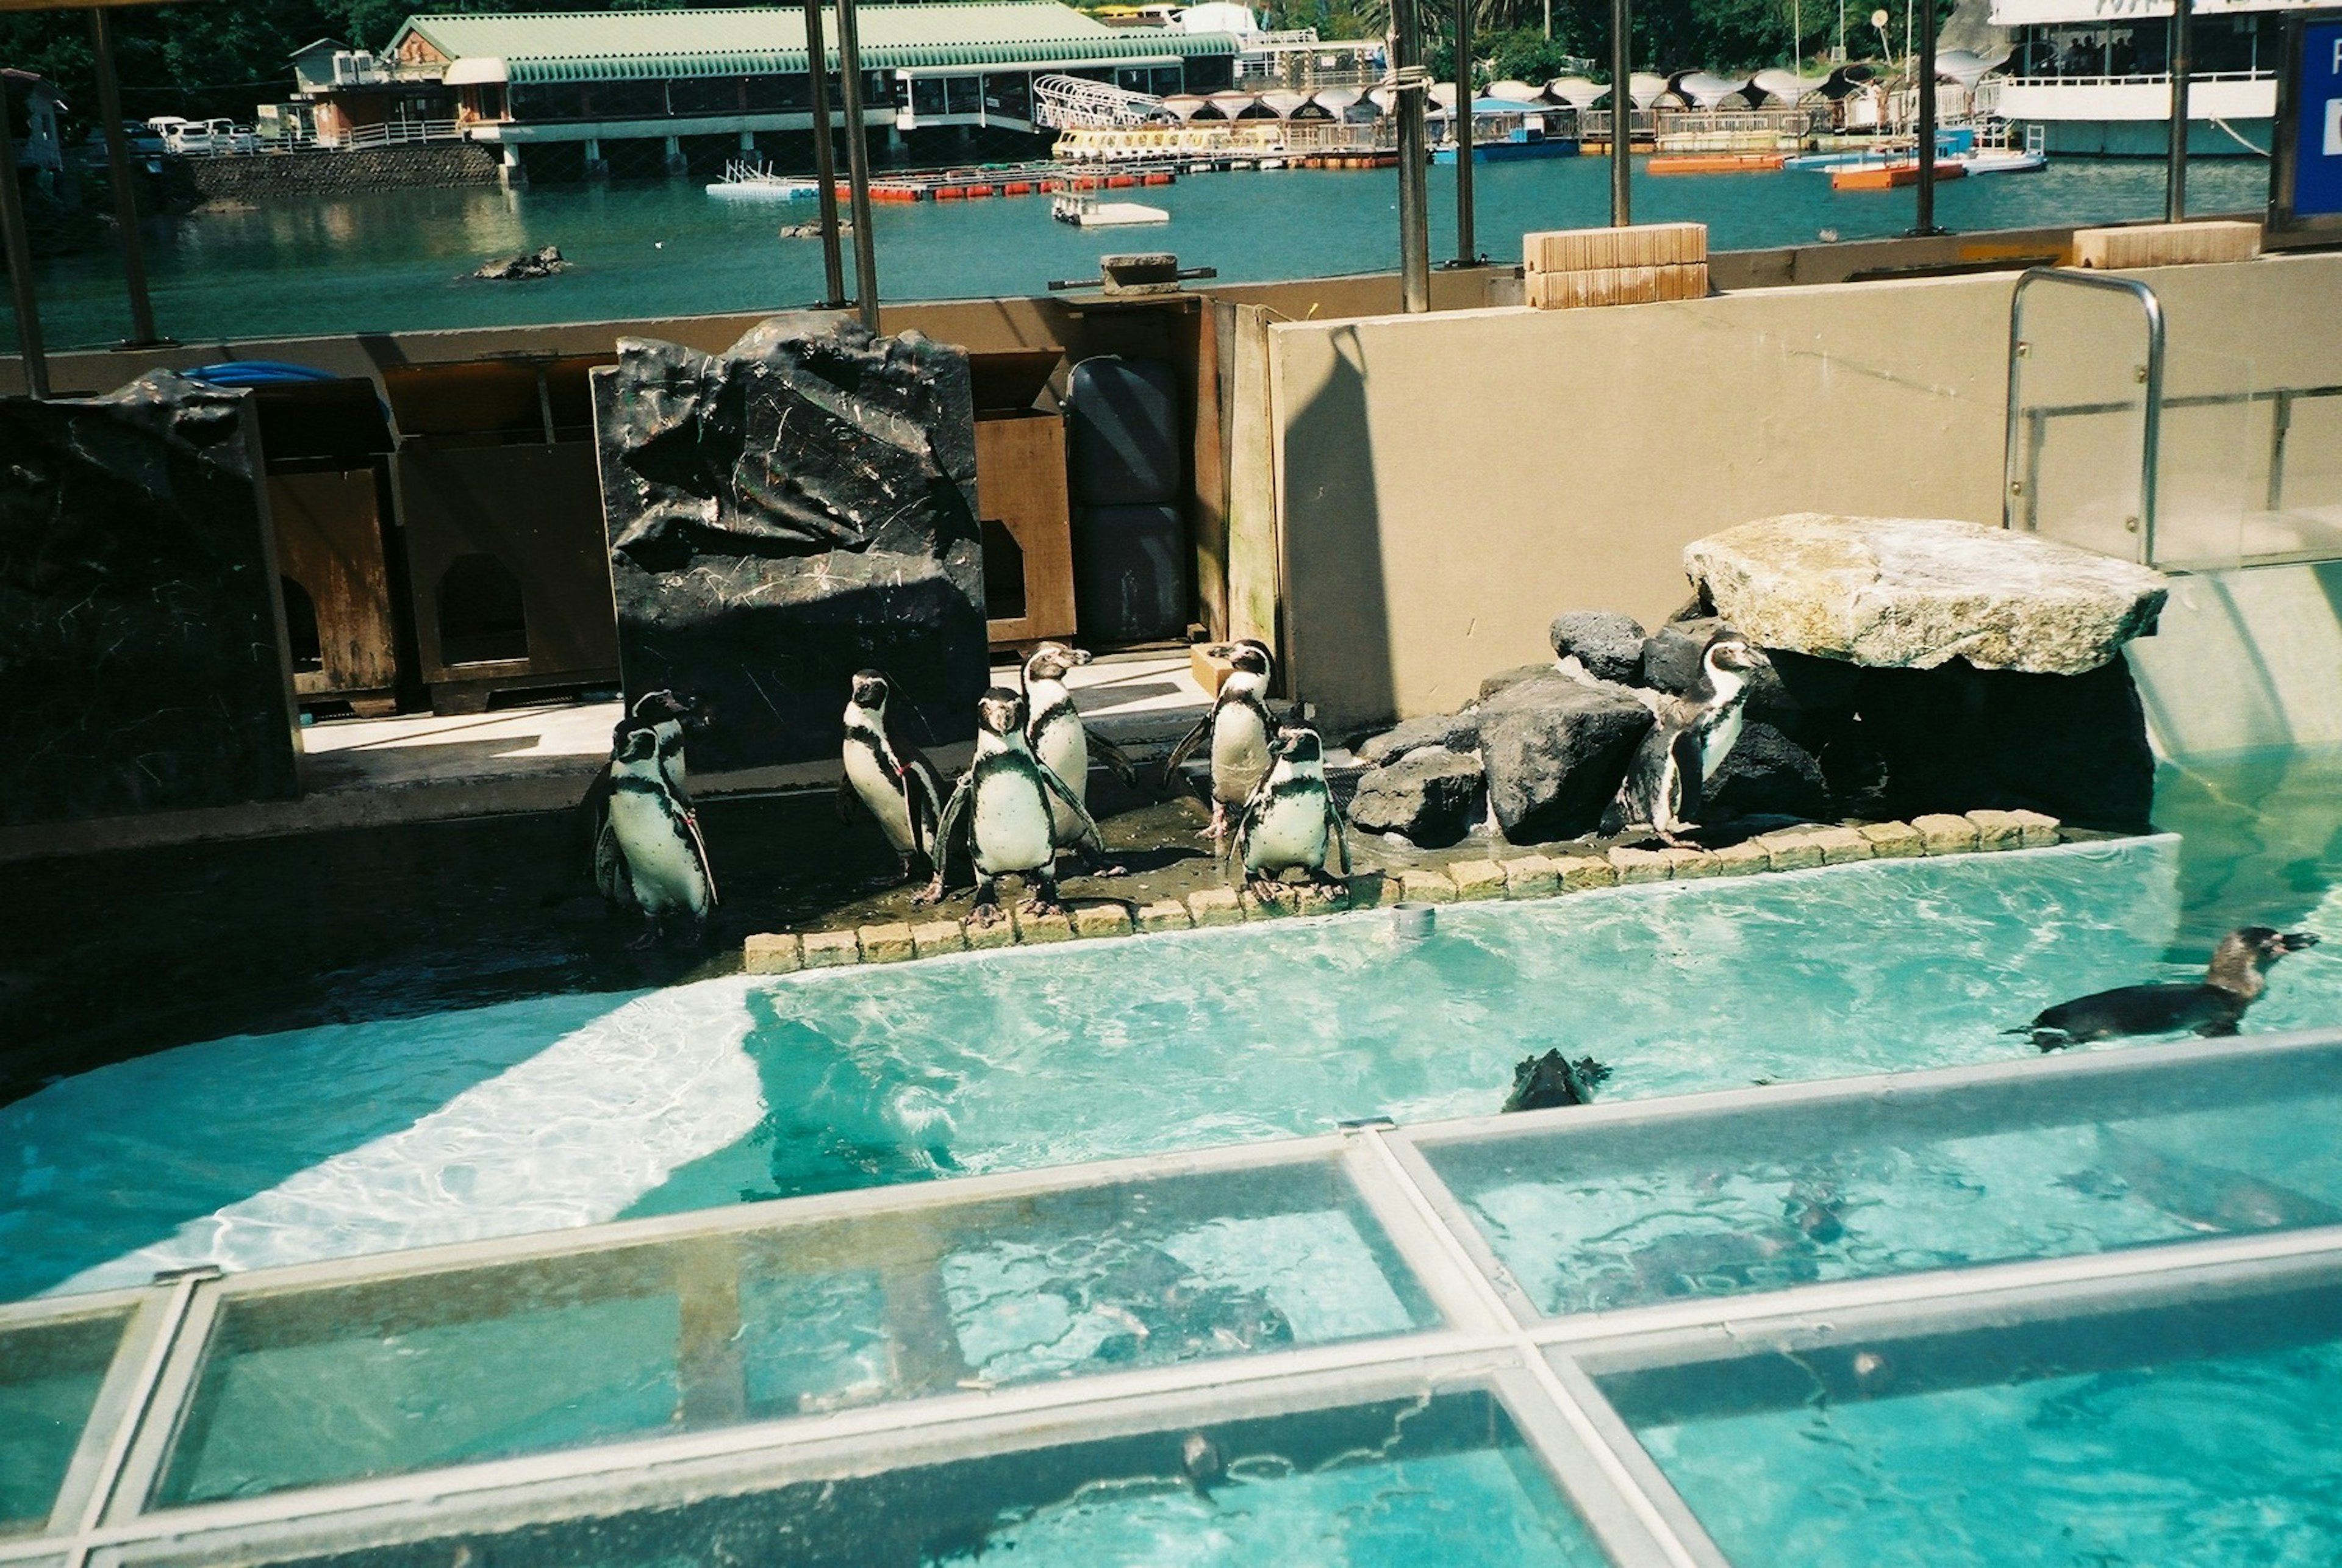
(141, 659)
(786, 513)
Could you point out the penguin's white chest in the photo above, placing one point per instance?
(881, 792)
(660, 863)
(1012, 829)
(1239, 752)
(1290, 832)
(1719, 743)
(1063, 747)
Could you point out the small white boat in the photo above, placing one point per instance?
(1089, 213)
(2002, 161)
(745, 180)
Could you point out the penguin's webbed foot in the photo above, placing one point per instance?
(1218, 826)
(1267, 889)
(988, 915)
(2047, 1040)
(1324, 885)
(1042, 905)
(931, 894)
(645, 940)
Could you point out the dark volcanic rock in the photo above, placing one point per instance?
(786, 513)
(1610, 645)
(142, 666)
(1554, 750)
(1514, 676)
(1671, 654)
(1957, 738)
(1456, 732)
(1431, 796)
(1767, 773)
(542, 262)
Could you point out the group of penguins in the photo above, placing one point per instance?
(1023, 801)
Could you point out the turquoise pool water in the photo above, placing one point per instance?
(568, 1110)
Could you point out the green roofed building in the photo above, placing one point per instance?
(687, 78)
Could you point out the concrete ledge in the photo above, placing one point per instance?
(1524, 876)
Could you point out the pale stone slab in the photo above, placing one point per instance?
(1944, 834)
(1427, 887)
(1580, 872)
(828, 949)
(1001, 933)
(1912, 593)
(1789, 851)
(1998, 829)
(1741, 859)
(1477, 879)
(1102, 920)
(1164, 915)
(1640, 865)
(2036, 829)
(771, 952)
(1894, 840)
(888, 943)
(1686, 863)
(938, 936)
(1531, 876)
(1216, 906)
(1840, 845)
(1033, 929)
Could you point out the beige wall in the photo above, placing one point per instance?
(1445, 484)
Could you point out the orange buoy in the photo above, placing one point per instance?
(1120, 182)
(1158, 179)
(1017, 188)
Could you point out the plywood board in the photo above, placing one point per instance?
(1020, 483)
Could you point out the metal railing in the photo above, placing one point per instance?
(2024, 489)
(2157, 79)
(396, 133)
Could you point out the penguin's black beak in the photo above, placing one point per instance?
(2295, 941)
(1079, 656)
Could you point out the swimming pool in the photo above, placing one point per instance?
(262, 1151)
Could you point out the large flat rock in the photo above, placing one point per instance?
(1913, 592)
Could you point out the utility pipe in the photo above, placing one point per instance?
(2174, 175)
(824, 157)
(1923, 73)
(1622, 113)
(125, 193)
(1409, 87)
(1460, 126)
(20, 258)
(857, 164)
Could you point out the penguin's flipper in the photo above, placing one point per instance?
(610, 873)
(1337, 843)
(1687, 757)
(847, 797)
(956, 811)
(922, 798)
(690, 822)
(1187, 747)
(1114, 757)
(1081, 818)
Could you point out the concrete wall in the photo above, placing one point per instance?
(424, 164)
(1446, 483)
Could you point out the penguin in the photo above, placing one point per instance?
(2211, 1007)
(1290, 818)
(1693, 735)
(650, 856)
(1542, 1083)
(1004, 802)
(666, 716)
(1059, 738)
(888, 775)
(1239, 728)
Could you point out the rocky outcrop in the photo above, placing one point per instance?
(542, 262)
(1902, 592)
(1767, 773)
(1607, 645)
(141, 661)
(1430, 797)
(1555, 749)
(1456, 732)
(783, 513)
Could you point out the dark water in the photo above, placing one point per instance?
(395, 261)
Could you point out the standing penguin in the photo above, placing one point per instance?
(889, 776)
(1239, 728)
(1290, 819)
(1005, 802)
(1059, 738)
(666, 716)
(649, 856)
(1694, 735)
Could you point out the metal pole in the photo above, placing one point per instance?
(1410, 88)
(1923, 72)
(125, 194)
(857, 164)
(825, 156)
(2175, 182)
(1622, 113)
(1459, 125)
(20, 258)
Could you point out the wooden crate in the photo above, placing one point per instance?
(1637, 245)
(2167, 244)
(1020, 488)
(329, 541)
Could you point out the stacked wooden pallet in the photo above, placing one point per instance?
(1566, 269)
(2167, 244)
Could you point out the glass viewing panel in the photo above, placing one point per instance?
(1621, 1216)
(1443, 1478)
(50, 1375)
(337, 1382)
(2202, 1431)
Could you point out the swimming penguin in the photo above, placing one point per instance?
(1239, 728)
(2214, 1006)
(1694, 735)
(1060, 739)
(1005, 804)
(650, 856)
(1542, 1083)
(1290, 819)
(888, 775)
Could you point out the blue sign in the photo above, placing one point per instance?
(2317, 123)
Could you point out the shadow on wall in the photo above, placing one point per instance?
(1328, 458)
(2244, 659)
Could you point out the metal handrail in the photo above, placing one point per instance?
(2143, 79)
(2151, 374)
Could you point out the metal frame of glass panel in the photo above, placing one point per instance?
(1543, 1371)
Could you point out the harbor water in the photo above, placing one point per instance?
(399, 261)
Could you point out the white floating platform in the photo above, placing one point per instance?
(764, 190)
(1089, 213)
